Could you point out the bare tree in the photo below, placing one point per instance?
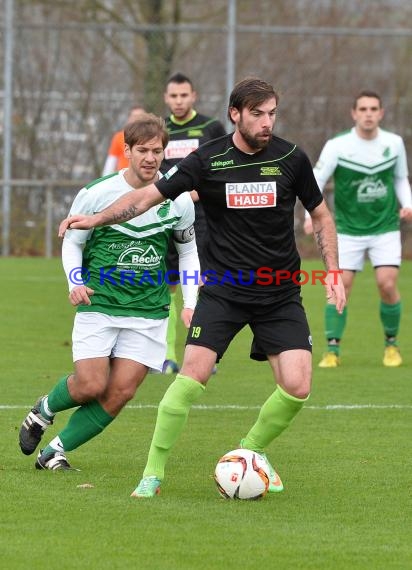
(79, 66)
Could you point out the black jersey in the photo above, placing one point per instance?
(249, 202)
(184, 138)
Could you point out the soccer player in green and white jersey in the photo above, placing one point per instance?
(118, 282)
(370, 176)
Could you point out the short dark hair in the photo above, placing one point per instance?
(249, 93)
(144, 129)
(179, 78)
(366, 93)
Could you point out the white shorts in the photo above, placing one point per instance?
(382, 249)
(97, 335)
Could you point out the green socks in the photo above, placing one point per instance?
(57, 400)
(171, 330)
(390, 317)
(85, 423)
(334, 326)
(172, 416)
(335, 323)
(275, 416)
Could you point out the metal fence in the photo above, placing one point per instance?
(37, 207)
(68, 82)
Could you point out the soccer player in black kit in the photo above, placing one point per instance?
(248, 182)
(187, 130)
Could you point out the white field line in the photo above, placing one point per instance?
(36, 278)
(223, 407)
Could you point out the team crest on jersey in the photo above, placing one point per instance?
(270, 171)
(163, 209)
(139, 258)
(251, 195)
(195, 133)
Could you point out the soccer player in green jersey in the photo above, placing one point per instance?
(248, 182)
(372, 193)
(118, 283)
(188, 129)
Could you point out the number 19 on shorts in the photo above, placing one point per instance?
(196, 332)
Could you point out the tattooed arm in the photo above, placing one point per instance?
(325, 235)
(124, 208)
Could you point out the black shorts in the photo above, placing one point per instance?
(276, 327)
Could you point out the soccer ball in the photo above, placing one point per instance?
(242, 474)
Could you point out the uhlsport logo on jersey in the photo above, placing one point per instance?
(221, 164)
(251, 195)
(139, 258)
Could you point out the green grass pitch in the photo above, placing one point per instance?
(345, 461)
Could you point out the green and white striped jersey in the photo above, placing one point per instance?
(364, 173)
(125, 263)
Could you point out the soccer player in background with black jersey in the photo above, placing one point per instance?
(187, 129)
(248, 182)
